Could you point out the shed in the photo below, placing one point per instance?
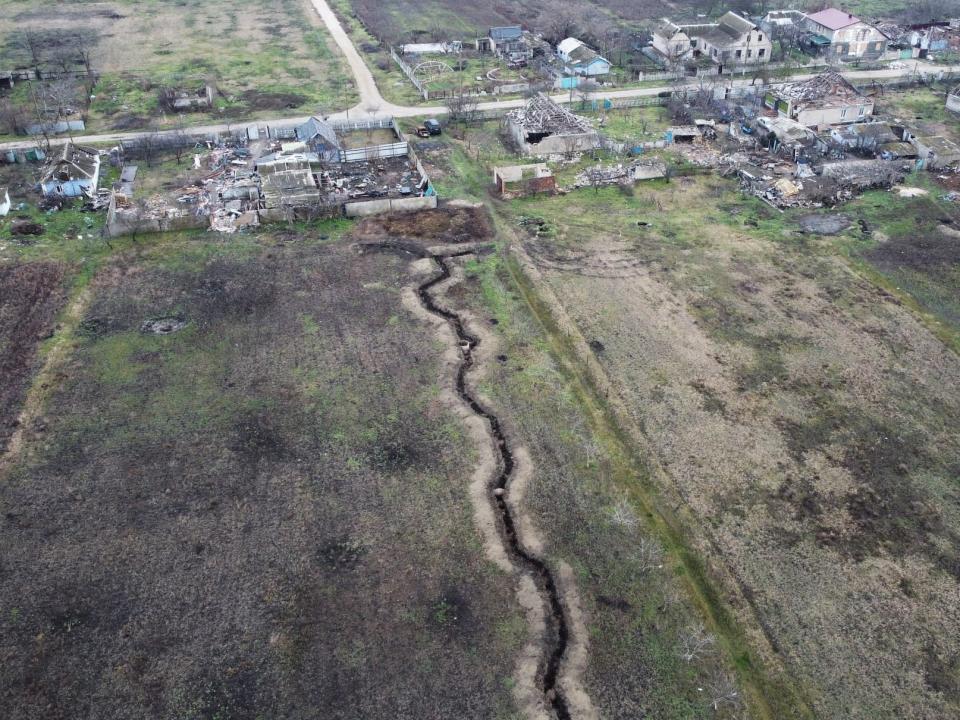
(321, 138)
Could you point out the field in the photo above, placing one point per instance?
(266, 59)
(405, 20)
(795, 408)
(242, 492)
(257, 515)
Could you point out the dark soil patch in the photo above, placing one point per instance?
(129, 122)
(442, 225)
(921, 251)
(257, 100)
(30, 297)
(26, 227)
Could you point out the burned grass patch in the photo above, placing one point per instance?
(274, 494)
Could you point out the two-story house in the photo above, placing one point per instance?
(850, 38)
(732, 40)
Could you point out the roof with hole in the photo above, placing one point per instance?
(509, 32)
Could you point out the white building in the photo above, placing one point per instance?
(732, 40)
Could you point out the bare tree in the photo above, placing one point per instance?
(695, 643)
(648, 556)
(723, 691)
(13, 117)
(32, 43)
(462, 108)
(585, 91)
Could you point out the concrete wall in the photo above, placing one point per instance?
(373, 207)
(125, 224)
(953, 102)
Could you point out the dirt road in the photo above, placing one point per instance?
(373, 104)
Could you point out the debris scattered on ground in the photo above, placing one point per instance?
(163, 326)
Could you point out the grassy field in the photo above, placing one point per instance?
(796, 410)
(259, 515)
(263, 59)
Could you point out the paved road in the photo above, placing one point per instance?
(372, 102)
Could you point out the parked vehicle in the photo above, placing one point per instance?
(432, 126)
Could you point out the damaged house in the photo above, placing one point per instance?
(321, 137)
(72, 172)
(863, 137)
(826, 99)
(542, 128)
(791, 139)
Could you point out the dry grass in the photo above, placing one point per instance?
(800, 412)
(278, 50)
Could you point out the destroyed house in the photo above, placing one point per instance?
(867, 137)
(72, 172)
(934, 151)
(287, 182)
(847, 36)
(826, 99)
(542, 127)
(732, 40)
(320, 137)
(523, 180)
(790, 138)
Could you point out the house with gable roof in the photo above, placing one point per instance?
(847, 36)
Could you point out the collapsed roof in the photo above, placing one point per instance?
(827, 89)
(73, 162)
(542, 116)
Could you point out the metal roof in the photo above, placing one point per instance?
(834, 19)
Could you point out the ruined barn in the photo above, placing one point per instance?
(542, 128)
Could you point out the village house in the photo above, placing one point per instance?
(72, 172)
(542, 128)
(845, 36)
(508, 42)
(578, 59)
(827, 99)
(732, 40)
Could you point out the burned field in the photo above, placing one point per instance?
(804, 415)
(31, 294)
(247, 501)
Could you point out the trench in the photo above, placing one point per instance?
(557, 624)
